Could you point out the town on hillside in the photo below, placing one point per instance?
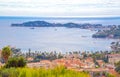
(96, 63)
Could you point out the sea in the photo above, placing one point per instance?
(59, 39)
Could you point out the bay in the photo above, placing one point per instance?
(53, 38)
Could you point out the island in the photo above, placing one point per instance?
(48, 24)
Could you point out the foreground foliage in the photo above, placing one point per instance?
(6, 52)
(15, 62)
(117, 67)
(41, 72)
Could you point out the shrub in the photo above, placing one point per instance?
(21, 62)
(110, 75)
(117, 69)
(15, 62)
(41, 72)
(12, 72)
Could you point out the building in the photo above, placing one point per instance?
(88, 63)
(101, 63)
(42, 64)
(113, 58)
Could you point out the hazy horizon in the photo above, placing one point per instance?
(69, 17)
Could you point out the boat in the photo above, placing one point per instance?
(83, 36)
(55, 29)
(32, 28)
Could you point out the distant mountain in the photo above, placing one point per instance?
(47, 24)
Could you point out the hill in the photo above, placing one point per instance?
(47, 24)
(113, 32)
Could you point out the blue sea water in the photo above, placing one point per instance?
(54, 39)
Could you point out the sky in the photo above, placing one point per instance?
(60, 8)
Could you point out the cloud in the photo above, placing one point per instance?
(59, 7)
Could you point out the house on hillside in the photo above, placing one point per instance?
(101, 63)
(88, 63)
(113, 58)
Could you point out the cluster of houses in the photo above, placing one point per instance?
(72, 63)
(113, 58)
(76, 62)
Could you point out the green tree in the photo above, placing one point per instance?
(21, 62)
(15, 62)
(117, 67)
(6, 52)
(12, 62)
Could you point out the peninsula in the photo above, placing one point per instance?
(112, 32)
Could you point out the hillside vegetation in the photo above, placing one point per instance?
(41, 72)
(114, 32)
